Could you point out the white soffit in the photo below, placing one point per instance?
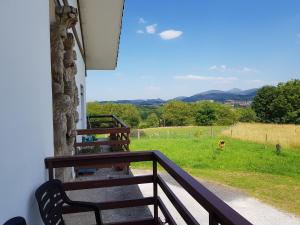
(101, 22)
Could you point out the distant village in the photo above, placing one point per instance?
(238, 103)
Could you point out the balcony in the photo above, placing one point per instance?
(219, 212)
(116, 132)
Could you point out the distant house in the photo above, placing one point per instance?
(238, 103)
(27, 86)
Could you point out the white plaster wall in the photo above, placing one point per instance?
(26, 106)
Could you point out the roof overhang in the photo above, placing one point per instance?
(101, 22)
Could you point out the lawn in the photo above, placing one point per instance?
(252, 167)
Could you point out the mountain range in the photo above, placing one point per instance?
(215, 95)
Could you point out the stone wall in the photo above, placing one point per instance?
(64, 89)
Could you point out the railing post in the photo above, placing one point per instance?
(212, 219)
(155, 192)
(50, 171)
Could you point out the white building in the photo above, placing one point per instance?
(26, 116)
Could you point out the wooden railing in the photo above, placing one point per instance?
(219, 211)
(106, 124)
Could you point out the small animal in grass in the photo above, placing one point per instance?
(221, 144)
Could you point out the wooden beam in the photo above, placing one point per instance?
(111, 205)
(80, 185)
(94, 159)
(136, 222)
(103, 131)
(99, 143)
(183, 211)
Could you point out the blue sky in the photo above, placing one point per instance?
(176, 48)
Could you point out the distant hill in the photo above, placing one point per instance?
(215, 95)
(222, 96)
(145, 102)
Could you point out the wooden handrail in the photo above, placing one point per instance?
(114, 130)
(119, 121)
(219, 211)
(113, 117)
(103, 158)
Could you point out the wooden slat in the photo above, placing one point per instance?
(80, 185)
(103, 131)
(136, 222)
(119, 121)
(159, 221)
(169, 219)
(213, 219)
(155, 195)
(98, 159)
(183, 211)
(50, 171)
(201, 194)
(101, 116)
(99, 143)
(112, 205)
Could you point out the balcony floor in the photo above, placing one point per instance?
(107, 194)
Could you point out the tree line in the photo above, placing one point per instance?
(174, 113)
(280, 104)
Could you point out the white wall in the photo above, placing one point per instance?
(26, 106)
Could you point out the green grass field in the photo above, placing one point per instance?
(251, 167)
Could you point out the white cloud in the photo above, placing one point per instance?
(151, 29)
(205, 78)
(142, 20)
(140, 32)
(224, 68)
(170, 34)
(248, 70)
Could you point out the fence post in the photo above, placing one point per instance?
(155, 192)
(138, 134)
(212, 219)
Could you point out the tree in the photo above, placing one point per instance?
(152, 120)
(226, 115)
(262, 101)
(214, 113)
(246, 115)
(126, 112)
(278, 104)
(177, 113)
(93, 108)
(206, 116)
